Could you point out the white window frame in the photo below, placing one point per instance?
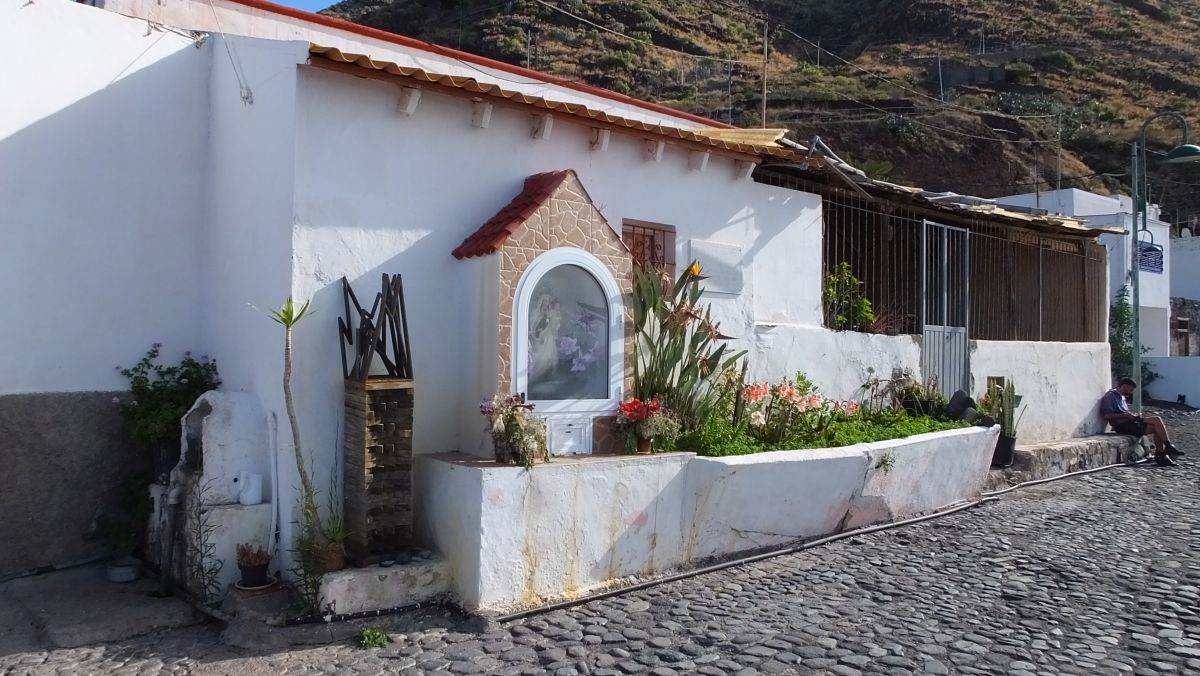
(616, 331)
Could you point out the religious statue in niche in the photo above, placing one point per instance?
(568, 337)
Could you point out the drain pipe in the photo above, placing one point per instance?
(793, 549)
(273, 433)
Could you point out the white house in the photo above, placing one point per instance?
(186, 165)
(1156, 271)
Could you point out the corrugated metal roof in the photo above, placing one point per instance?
(755, 142)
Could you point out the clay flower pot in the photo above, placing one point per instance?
(645, 446)
(333, 557)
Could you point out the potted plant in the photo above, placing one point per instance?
(333, 554)
(518, 436)
(123, 529)
(253, 562)
(643, 422)
(1001, 403)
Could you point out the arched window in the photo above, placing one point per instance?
(568, 334)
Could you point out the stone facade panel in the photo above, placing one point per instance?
(567, 219)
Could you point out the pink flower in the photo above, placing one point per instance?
(850, 407)
(758, 419)
(756, 392)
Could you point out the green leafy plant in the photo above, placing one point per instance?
(517, 436)
(122, 529)
(680, 351)
(846, 309)
(1120, 339)
(886, 463)
(370, 637)
(161, 395)
(919, 398)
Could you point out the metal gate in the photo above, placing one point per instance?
(945, 306)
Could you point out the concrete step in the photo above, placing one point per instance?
(1051, 459)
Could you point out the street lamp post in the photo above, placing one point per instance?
(1184, 152)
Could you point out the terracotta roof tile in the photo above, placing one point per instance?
(491, 235)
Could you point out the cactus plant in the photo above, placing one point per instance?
(1003, 408)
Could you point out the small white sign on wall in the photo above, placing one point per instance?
(721, 263)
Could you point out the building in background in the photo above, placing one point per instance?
(1156, 276)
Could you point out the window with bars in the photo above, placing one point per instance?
(651, 244)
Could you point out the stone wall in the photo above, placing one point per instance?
(567, 219)
(64, 456)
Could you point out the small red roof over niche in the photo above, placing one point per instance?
(491, 235)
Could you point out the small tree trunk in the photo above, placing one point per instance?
(305, 480)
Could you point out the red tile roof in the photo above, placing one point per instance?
(491, 235)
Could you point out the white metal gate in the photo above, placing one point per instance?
(946, 306)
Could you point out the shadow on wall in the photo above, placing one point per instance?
(105, 192)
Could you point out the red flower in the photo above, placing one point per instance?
(636, 410)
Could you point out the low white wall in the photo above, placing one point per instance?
(768, 499)
(928, 472)
(518, 538)
(567, 528)
(1061, 384)
(1176, 376)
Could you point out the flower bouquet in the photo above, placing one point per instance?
(519, 438)
(643, 422)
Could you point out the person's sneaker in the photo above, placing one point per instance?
(1174, 452)
(1164, 460)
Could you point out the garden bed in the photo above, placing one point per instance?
(559, 530)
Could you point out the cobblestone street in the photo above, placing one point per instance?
(1093, 575)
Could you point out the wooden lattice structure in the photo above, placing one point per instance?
(378, 446)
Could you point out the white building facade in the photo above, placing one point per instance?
(175, 185)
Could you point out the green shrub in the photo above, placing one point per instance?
(680, 352)
(370, 637)
(846, 309)
(1060, 60)
(163, 394)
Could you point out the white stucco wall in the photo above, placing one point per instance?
(378, 192)
(247, 244)
(838, 363)
(1061, 384)
(1185, 274)
(573, 526)
(103, 135)
(1176, 376)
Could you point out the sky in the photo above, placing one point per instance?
(310, 5)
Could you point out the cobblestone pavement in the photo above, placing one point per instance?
(1095, 575)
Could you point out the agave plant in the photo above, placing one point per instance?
(680, 350)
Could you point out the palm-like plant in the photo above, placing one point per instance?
(289, 314)
(680, 351)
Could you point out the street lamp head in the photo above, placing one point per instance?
(1184, 153)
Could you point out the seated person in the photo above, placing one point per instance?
(1116, 413)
